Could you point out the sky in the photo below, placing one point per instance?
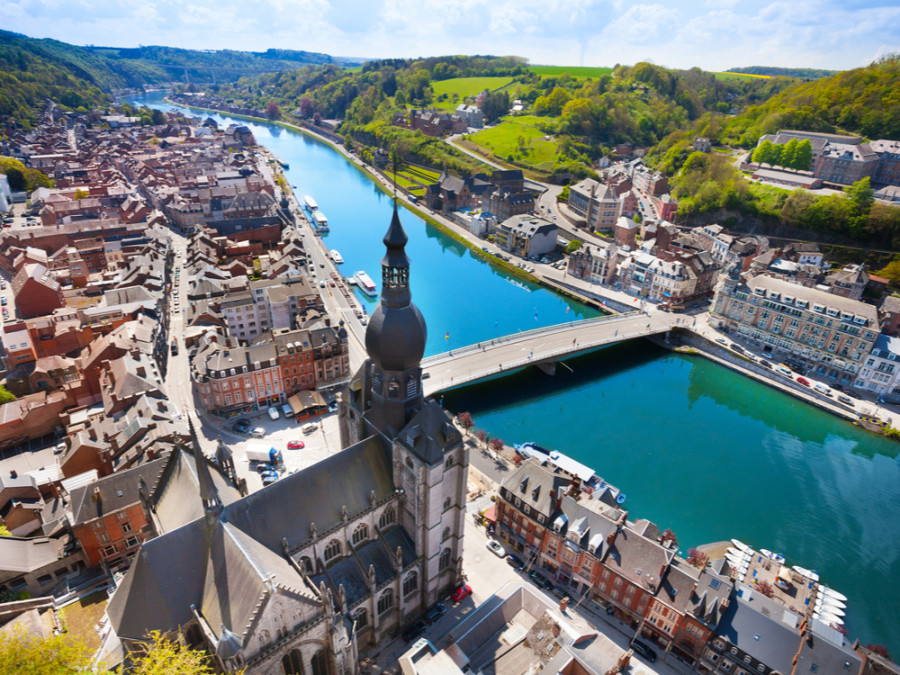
(711, 34)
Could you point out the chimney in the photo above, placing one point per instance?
(95, 494)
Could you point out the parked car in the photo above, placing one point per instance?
(541, 581)
(822, 389)
(435, 613)
(259, 432)
(461, 593)
(296, 445)
(495, 548)
(273, 413)
(241, 426)
(515, 562)
(414, 630)
(803, 381)
(737, 348)
(644, 650)
(846, 400)
(765, 364)
(721, 341)
(853, 394)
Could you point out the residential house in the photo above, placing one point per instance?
(526, 235)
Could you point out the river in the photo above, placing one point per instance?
(696, 447)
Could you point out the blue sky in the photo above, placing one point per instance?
(711, 34)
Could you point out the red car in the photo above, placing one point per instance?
(296, 445)
(803, 381)
(461, 592)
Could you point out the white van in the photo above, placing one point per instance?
(822, 389)
(781, 370)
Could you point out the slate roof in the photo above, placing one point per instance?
(429, 432)
(638, 559)
(117, 491)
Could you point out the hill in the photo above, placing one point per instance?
(862, 101)
(32, 70)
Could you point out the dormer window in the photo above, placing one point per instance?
(524, 484)
(536, 493)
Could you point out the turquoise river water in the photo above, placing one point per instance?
(696, 447)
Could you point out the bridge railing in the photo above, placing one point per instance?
(460, 378)
(527, 334)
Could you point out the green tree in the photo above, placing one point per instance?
(573, 246)
(16, 179)
(803, 156)
(26, 654)
(4, 531)
(789, 154)
(861, 195)
(165, 656)
(5, 395)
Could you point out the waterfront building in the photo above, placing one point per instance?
(596, 203)
(829, 333)
(527, 235)
(594, 262)
(881, 372)
(295, 577)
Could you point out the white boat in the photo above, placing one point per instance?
(310, 203)
(336, 256)
(777, 557)
(741, 546)
(320, 220)
(365, 283)
(836, 611)
(831, 602)
(831, 593)
(738, 553)
(829, 618)
(809, 574)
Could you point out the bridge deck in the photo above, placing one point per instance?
(544, 345)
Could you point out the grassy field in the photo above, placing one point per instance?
(413, 178)
(578, 72)
(457, 89)
(725, 76)
(520, 139)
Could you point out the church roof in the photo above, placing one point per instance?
(429, 432)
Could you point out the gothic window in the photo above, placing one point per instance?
(306, 565)
(320, 663)
(446, 503)
(360, 534)
(292, 663)
(411, 583)
(445, 559)
(409, 463)
(361, 616)
(393, 389)
(448, 462)
(332, 550)
(446, 534)
(385, 602)
(386, 520)
(410, 387)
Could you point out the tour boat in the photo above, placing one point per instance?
(310, 203)
(321, 221)
(831, 593)
(336, 256)
(365, 283)
(777, 557)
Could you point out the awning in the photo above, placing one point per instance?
(305, 400)
(491, 513)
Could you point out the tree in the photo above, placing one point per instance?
(465, 421)
(789, 154)
(669, 536)
(273, 112)
(803, 156)
(4, 531)
(497, 444)
(573, 246)
(27, 654)
(165, 656)
(881, 650)
(861, 195)
(765, 588)
(482, 435)
(81, 194)
(16, 179)
(5, 395)
(697, 558)
(306, 107)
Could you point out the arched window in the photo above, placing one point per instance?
(332, 550)
(291, 663)
(445, 559)
(306, 565)
(386, 520)
(446, 534)
(385, 602)
(448, 462)
(360, 534)
(411, 583)
(446, 503)
(321, 665)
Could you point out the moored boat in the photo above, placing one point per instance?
(825, 601)
(777, 557)
(830, 592)
(827, 617)
(310, 203)
(321, 222)
(809, 574)
(738, 553)
(741, 546)
(336, 256)
(365, 283)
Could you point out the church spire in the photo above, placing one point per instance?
(212, 505)
(395, 265)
